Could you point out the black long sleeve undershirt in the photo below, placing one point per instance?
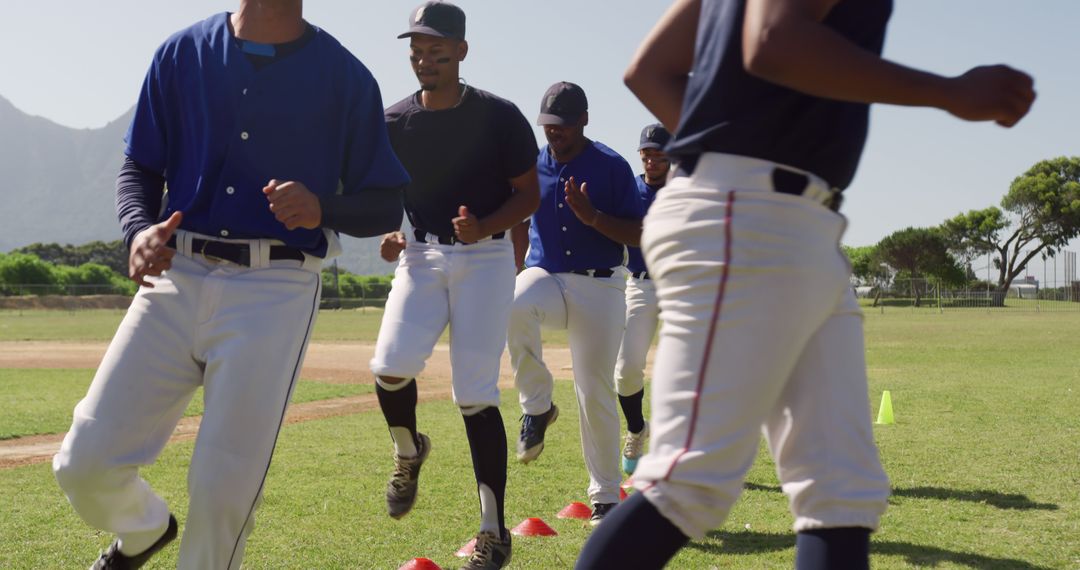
(139, 192)
(372, 212)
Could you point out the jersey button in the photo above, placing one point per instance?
(230, 190)
(564, 228)
(224, 233)
(560, 204)
(568, 252)
(244, 135)
(244, 92)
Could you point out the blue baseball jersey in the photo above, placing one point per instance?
(634, 261)
(727, 110)
(558, 241)
(219, 128)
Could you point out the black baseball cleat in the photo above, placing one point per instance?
(113, 559)
(531, 441)
(491, 552)
(600, 511)
(401, 489)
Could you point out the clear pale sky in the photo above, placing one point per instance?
(80, 64)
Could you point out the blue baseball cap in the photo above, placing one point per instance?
(654, 136)
(439, 19)
(563, 104)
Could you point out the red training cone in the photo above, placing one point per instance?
(575, 510)
(466, 550)
(622, 493)
(420, 564)
(533, 526)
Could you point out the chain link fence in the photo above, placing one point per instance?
(927, 295)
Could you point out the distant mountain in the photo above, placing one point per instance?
(59, 186)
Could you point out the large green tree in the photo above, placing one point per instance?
(920, 253)
(1045, 205)
(111, 254)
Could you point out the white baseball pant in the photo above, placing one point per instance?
(760, 331)
(240, 333)
(642, 318)
(468, 286)
(590, 309)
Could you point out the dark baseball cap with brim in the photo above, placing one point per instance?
(563, 104)
(439, 19)
(654, 136)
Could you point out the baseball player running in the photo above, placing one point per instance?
(574, 280)
(229, 269)
(771, 99)
(642, 312)
(472, 159)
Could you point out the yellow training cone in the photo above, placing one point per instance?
(884, 415)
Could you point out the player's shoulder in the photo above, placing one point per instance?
(494, 101)
(605, 153)
(197, 34)
(401, 109)
(337, 56)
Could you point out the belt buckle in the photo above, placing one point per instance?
(590, 272)
(211, 258)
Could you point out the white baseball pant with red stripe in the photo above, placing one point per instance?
(760, 331)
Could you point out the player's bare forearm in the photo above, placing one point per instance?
(520, 205)
(659, 71)
(622, 230)
(785, 42)
(519, 234)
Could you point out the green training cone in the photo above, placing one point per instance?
(884, 415)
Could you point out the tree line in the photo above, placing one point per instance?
(101, 268)
(1038, 216)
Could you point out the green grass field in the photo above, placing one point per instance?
(984, 458)
(100, 324)
(40, 401)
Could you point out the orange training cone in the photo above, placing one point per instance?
(575, 510)
(420, 564)
(533, 526)
(466, 550)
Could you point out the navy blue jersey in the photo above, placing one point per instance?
(634, 261)
(727, 110)
(558, 241)
(462, 156)
(219, 129)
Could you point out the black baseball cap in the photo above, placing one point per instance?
(654, 136)
(440, 19)
(563, 104)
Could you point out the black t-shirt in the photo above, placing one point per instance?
(728, 110)
(459, 156)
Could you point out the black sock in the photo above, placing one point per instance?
(634, 535)
(631, 408)
(487, 441)
(399, 407)
(822, 548)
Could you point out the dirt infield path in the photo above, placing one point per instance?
(343, 362)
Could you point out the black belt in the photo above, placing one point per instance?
(421, 236)
(784, 181)
(641, 275)
(593, 272)
(238, 253)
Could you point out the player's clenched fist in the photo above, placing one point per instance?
(391, 246)
(996, 93)
(293, 204)
(467, 226)
(149, 255)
